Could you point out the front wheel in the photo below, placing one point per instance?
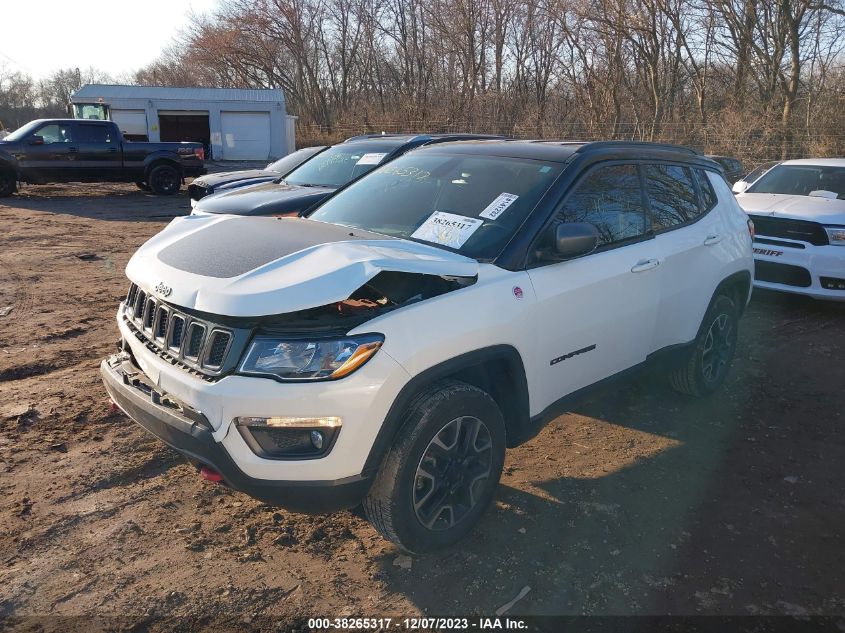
(442, 471)
(707, 366)
(7, 183)
(164, 180)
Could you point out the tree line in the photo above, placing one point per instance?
(759, 79)
(23, 98)
(755, 78)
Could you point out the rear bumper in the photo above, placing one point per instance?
(188, 432)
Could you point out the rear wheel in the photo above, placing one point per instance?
(442, 471)
(707, 366)
(143, 186)
(7, 183)
(164, 180)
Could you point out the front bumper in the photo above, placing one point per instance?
(798, 267)
(190, 433)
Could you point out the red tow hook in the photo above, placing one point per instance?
(113, 407)
(209, 474)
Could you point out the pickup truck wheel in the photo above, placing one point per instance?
(708, 364)
(143, 186)
(164, 180)
(7, 183)
(442, 471)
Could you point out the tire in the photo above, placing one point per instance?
(706, 368)
(8, 184)
(143, 186)
(435, 483)
(164, 180)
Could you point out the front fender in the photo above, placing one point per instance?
(7, 160)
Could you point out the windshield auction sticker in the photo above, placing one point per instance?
(498, 206)
(371, 159)
(447, 229)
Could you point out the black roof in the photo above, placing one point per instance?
(563, 150)
(422, 138)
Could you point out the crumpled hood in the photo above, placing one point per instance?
(268, 198)
(810, 208)
(249, 267)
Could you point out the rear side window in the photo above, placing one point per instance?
(708, 196)
(88, 133)
(672, 195)
(611, 199)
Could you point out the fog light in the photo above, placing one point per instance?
(317, 440)
(281, 437)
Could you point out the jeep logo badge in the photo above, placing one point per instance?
(163, 289)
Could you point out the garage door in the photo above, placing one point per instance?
(246, 135)
(130, 122)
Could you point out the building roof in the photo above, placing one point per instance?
(91, 93)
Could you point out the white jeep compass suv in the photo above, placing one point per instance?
(387, 348)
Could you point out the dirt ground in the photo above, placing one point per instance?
(640, 501)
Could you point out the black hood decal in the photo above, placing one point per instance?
(230, 249)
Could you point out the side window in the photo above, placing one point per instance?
(708, 196)
(611, 199)
(672, 195)
(89, 133)
(55, 133)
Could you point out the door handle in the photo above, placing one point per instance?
(645, 264)
(73, 150)
(712, 239)
(112, 150)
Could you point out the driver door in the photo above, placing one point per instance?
(596, 314)
(50, 154)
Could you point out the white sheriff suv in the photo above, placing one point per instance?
(798, 209)
(388, 347)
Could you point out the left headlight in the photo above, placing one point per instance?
(835, 235)
(309, 359)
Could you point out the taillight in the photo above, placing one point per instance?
(200, 153)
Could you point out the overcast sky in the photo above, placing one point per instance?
(40, 36)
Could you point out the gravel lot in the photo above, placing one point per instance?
(639, 501)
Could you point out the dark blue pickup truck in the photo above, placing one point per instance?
(79, 150)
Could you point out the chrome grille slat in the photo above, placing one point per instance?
(177, 336)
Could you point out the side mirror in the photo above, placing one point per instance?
(36, 140)
(739, 186)
(571, 239)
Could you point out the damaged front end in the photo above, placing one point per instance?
(385, 292)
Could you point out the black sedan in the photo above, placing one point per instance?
(321, 176)
(228, 180)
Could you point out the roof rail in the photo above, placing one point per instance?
(644, 144)
(364, 137)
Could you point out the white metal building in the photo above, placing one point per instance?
(234, 124)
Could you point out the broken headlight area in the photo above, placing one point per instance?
(289, 437)
(309, 359)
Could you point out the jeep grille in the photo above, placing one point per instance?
(181, 338)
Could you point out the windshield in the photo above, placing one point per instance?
(294, 159)
(758, 171)
(23, 131)
(467, 203)
(801, 180)
(339, 164)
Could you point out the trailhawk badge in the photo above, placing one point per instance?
(163, 289)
